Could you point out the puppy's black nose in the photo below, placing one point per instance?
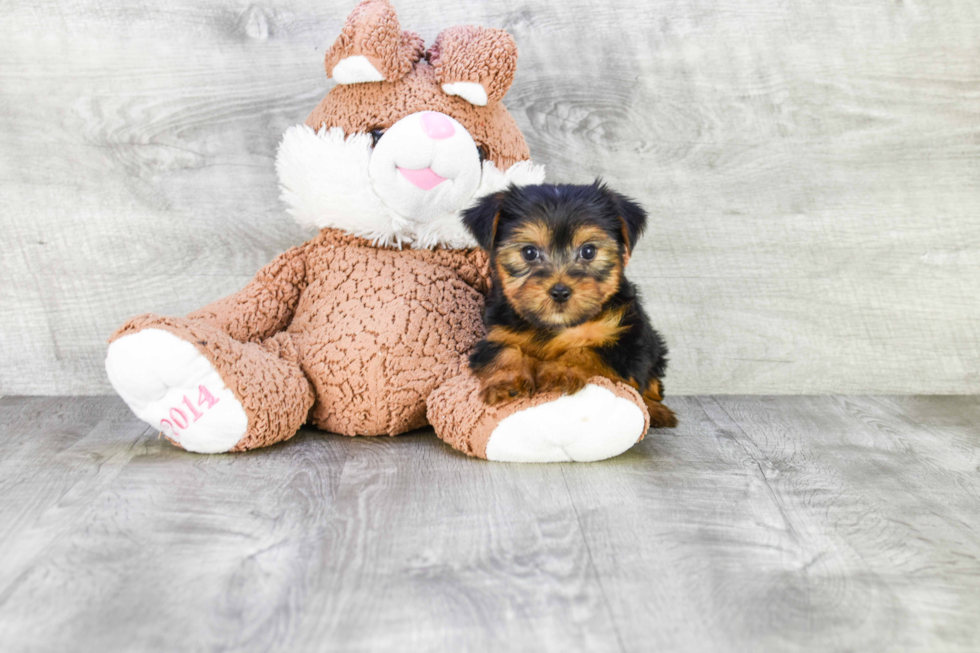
(560, 293)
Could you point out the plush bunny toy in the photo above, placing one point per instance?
(364, 330)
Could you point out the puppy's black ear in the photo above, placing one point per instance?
(631, 215)
(481, 220)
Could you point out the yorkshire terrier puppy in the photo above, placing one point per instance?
(561, 310)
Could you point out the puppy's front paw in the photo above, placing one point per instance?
(558, 377)
(506, 384)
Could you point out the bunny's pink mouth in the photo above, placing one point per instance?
(424, 178)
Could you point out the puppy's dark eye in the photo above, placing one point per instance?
(376, 135)
(483, 152)
(588, 252)
(529, 253)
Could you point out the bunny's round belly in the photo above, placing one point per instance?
(375, 346)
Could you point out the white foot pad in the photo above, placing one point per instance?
(592, 424)
(170, 385)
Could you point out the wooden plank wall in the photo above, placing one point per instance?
(812, 168)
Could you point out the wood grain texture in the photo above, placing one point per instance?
(761, 523)
(812, 170)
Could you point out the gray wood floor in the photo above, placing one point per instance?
(790, 523)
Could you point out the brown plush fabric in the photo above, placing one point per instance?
(266, 305)
(372, 31)
(468, 53)
(379, 105)
(461, 418)
(379, 329)
(465, 53)
(375, 331)
(266, 378)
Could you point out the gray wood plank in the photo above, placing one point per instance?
(210, 543)
(761, 523)
(791, 524)
(884, 504)
(43, 507)
(291, 550)
(812, 170)
(472, 557)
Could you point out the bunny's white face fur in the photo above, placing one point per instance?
(344, 182)
(424, 166)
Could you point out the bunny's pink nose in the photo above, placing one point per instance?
(436, 125)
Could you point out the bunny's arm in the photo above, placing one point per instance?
(266, 305)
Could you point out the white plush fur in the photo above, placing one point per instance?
(153, 370)
(407, 145)
(325, 182)
(355, 70)
(592, 424)
(472, 92)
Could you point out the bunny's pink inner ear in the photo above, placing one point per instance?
(372, 46)
(475, 63)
